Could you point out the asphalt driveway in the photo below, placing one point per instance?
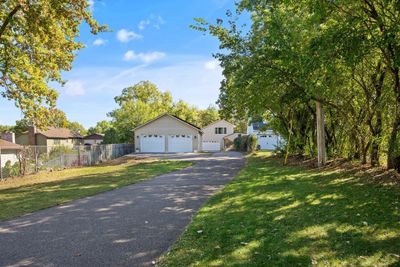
(130, 226)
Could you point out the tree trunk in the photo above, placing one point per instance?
(392, 161)
(320, 135)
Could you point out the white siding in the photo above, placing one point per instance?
(209, 135)
(8, 157)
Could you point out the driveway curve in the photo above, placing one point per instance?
(130, 226)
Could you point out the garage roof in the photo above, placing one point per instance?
(171, 116)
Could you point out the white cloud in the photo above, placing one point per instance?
(143, 24)
(149, 57)
(125, 36)
(153, 20)
(74, 88)
(211, 65)
(157, 21)
(91, 5)
(99, 41)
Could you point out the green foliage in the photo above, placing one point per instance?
(37, 41)
(11, 170)
(343, 54)
(100, 128)
(252, 143)
(111, 136)
(240, 143)
(76, 127)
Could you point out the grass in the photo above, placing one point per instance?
(271, 215)
(20, 196)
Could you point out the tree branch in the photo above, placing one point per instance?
(8, 19)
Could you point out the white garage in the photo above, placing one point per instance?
(180, 143)
(167, 134)
(152, 143)
(211, 146)
(267, 141)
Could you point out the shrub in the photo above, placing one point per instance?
(252, 143)
(10, 170)
(245, 143)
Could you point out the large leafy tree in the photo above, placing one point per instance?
(137, 104)
(37, 42)
(344, 54)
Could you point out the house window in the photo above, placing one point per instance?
(57, 141)
(220, 130)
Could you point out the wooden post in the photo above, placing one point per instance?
(320, 135)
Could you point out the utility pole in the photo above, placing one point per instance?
(320, 135)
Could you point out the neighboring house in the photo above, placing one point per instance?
(267, 139)
(93, 139)
(50, 137)
(167, 133)
(214, 133)
(8, 152)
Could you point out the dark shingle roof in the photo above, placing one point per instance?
(258, 125)
(8, 145)
(62, 133)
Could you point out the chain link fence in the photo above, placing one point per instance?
(32, 159)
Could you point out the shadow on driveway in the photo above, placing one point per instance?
(130, 226)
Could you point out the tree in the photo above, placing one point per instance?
(76, 127)
(100, 128)
(207, 116)
(138, 104)
(186, 112)
(342, 54)
(111, 136)
(38, 40)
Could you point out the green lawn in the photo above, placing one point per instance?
(44, 190)
(272, 215)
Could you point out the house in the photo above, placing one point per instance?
(167, 133)
(93, 139)
(214, 133)
(267, 139)
(8, 152)
(51, 137)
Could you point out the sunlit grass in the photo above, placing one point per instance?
(271, 215)
(44, 190)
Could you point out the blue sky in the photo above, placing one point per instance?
(150, 40)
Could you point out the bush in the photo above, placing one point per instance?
(252, 143)
(10, 170)
(245, 143)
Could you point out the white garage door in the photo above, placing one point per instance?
(211, 146)
(267, 141)
(180, 143)
(152, 143)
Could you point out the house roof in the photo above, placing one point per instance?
(216, 122)
(8, 145)
(62, 133)
(94, 136)
(234, 134)
(171, 116)
(257, 125)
